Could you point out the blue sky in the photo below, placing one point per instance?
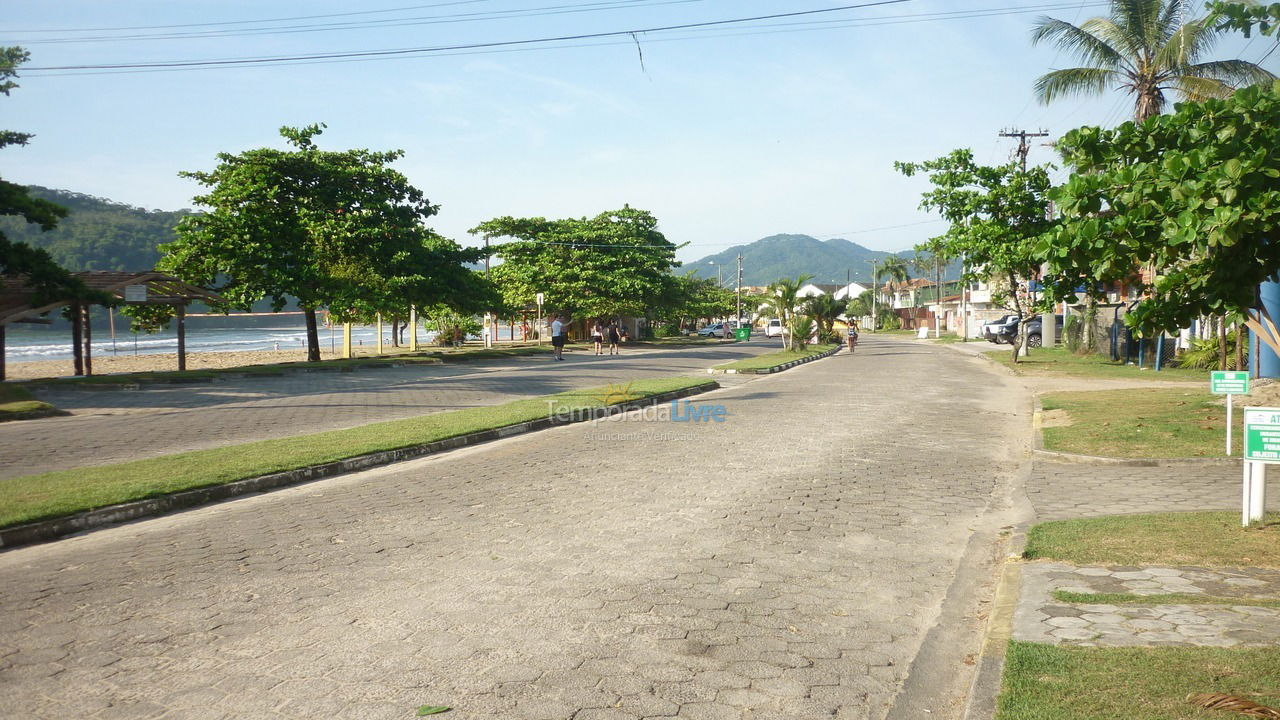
(726, 135)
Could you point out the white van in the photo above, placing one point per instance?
(773, 328)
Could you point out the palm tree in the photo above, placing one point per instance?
(784, 295)
(895, 269)
(1144, 48)
(824, 310)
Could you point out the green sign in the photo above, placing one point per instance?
(1223, 382)
(1262, 434)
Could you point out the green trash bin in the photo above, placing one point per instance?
(742, 333)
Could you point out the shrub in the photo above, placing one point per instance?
(1203, 354)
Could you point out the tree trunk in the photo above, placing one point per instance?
(1239, 346)
(313, 335)
(1021, 341)
(1222, 343)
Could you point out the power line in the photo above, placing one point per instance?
(696, 33)
(408, 51)
(265, 20)
(486, 47)
(548, 10)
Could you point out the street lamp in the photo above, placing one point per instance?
(875, 290)
(719, 282)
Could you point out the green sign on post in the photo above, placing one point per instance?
(1262, 435)
(1224, 382)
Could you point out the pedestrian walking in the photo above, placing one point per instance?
(559, 331)
(597, 336)
(853, 335)
(615, 337)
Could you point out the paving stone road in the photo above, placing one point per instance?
(106, 425)
(785, 563)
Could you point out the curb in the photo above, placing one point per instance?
(218, 376)
(987, 682)
(777, 368)
(1038, 451)
(45, 530)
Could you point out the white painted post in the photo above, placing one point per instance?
(1255, 492)
(1229, 396)
(413, 328)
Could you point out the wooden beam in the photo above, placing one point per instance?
(77, 348)
(2, 352)
(88, 340)
(181, 311)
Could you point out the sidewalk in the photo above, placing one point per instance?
(1062, 491)
(122, 425)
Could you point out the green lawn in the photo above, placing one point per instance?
(1043, 682)
(1142, 423)
(1204, 539)
(1060, 361)
(771, 360)
(16, 403)
(56, 494)
(1079, 598)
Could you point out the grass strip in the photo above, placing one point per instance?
(1156, 422)
(772, 360)
(61, 493)
(1079, 598)
(1045, 682)
(1204, 539)
(1060, 361)
(17, 403)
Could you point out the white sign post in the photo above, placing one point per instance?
(1261, 448)
(538, 323)
(1222, 382)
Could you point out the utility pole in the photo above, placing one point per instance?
(739, 316)
(1023, 147)
(875, 290)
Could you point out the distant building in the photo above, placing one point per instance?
(816, 289)
(850, 291)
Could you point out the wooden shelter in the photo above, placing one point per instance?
(133, 288)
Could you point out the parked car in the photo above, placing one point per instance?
(719, 330)
(1007, 331)
(773, 328)
(999, 330)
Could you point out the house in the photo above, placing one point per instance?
(816, 289)
(850, 291)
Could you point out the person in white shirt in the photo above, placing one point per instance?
(559, 331)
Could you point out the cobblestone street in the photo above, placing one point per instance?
(786, 563)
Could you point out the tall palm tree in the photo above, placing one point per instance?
(784, 296)
(894, 269)
(1144, 48)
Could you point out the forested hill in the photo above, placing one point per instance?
(98, 234)
(782, 256)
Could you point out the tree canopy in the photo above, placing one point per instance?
(616, 263)
(46, 278)
(335, 229)
(1194, 194)
(997, 215)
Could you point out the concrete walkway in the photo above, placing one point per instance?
(788, 563)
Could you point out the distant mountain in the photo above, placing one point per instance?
(782, 256)
(98, 234)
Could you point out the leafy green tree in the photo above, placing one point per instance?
(997, 215)
(1144, 48)
(691, 297)
(48, 280)
(1195, 193)
(336, 229)
(616, 263)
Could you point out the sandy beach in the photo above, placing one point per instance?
(108, 364)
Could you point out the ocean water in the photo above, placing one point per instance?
(23, 345)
